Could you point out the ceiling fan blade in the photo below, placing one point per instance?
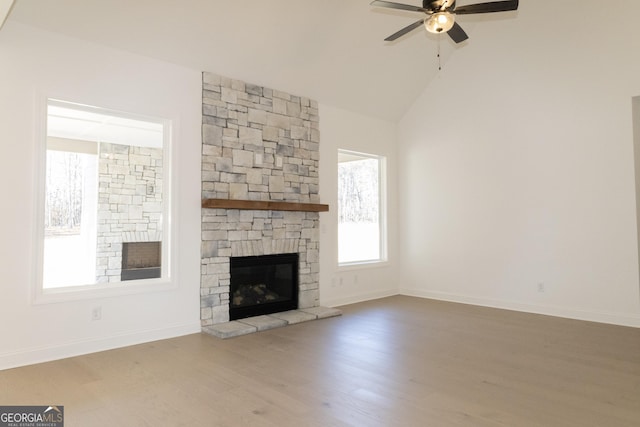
(400, 6)
(495, 6)
(457, 34)
(404, 31)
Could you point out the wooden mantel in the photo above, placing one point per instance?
(260, 205)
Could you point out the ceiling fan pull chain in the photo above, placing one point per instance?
(439, 59)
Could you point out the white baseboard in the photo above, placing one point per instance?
(336, 302)
(632, 320)
(77, 348)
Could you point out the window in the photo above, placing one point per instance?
(105, 200)
(361, 203)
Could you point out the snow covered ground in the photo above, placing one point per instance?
(358, 242)
(67, 262)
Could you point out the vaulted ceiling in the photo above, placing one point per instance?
(329, 50)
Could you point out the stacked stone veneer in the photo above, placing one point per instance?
(129, 203)
(258, 144)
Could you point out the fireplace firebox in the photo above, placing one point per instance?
(141, 260)
(263, 284)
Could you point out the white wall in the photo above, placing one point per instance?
(340, 129)
(35, 64)
(517, 168)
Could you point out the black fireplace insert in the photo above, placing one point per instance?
(141, 260)
(263, 284)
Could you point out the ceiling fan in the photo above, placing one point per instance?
(441, 15)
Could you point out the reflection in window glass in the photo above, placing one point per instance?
(360, 224)
(104, 196)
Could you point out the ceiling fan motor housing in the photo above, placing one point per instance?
(435, 5)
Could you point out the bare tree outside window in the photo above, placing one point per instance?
(63, 202)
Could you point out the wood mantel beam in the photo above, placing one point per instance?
(260, 205)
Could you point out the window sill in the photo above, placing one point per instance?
(363, 265)
(106, 290)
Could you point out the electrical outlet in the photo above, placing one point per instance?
(96, 313)
(541, 287)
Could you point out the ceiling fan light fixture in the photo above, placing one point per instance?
(440, 22)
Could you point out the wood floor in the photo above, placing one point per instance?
(397, 361)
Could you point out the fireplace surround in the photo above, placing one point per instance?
(258, 144)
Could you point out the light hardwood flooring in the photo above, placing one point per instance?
(397, 361)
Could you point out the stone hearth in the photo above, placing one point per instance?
(250, 325)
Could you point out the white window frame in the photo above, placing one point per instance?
(167, 281)
(382, 213)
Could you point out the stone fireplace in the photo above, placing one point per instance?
(259, 144)
(129, 206)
